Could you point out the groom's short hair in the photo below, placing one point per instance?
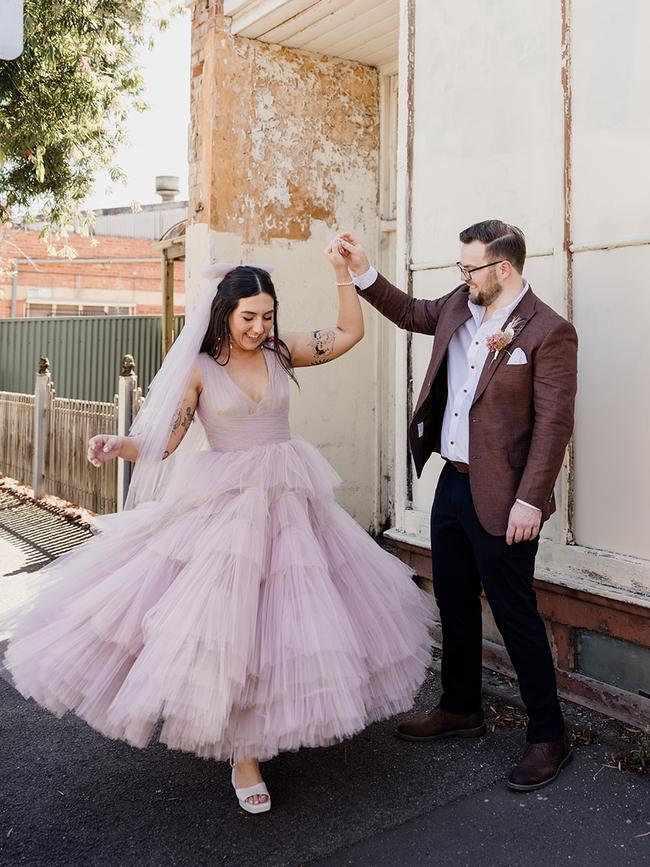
(501, 240)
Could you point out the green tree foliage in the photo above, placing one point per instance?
(65, 100)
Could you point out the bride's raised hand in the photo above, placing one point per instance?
(325, 344)
(102, 448)
(336, 254)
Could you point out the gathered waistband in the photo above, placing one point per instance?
(240, 434)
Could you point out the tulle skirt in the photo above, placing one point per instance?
(246, 611)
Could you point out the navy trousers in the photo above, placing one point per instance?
(467, 558)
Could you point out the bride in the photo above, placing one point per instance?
(233, 601)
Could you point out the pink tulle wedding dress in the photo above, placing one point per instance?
(245, 610)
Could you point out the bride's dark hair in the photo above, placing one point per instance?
(242, 282)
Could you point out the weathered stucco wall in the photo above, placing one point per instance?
(611, 205)
(284, 154)
(307, 141)
(280, 139)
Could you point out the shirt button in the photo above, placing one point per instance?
(465, 390)
(472, 366)
(455, 413)
(451, 442)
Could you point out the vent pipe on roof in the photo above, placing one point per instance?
(168, 187)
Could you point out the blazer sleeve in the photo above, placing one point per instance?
(411, 314)
(554, 390)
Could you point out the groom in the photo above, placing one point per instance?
(497, 403)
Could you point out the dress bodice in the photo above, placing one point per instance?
(231, 419)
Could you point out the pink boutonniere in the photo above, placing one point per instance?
(500, 339)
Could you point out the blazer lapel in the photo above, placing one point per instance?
(458, 314)
(524, 312)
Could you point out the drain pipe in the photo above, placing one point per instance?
(14, 290)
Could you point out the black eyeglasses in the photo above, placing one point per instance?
(467, 272)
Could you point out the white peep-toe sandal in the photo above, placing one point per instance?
(258, 789)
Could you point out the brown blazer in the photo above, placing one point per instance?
(521, 418)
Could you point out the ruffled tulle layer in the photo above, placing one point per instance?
(246, 611)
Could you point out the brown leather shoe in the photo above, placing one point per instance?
(540, 765)
(442, 724)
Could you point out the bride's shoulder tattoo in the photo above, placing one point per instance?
(322, 344)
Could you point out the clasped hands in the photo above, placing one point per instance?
(346, 250)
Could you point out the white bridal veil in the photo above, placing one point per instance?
(153, 423)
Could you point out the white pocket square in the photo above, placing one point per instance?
(518, 357)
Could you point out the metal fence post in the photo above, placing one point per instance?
(42, 402)
(126, 400)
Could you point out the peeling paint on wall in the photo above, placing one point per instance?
(291, 136)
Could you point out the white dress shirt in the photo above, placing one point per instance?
(466, 356)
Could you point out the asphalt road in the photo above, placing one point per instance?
(72, 797)
(69, 796)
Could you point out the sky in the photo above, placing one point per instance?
(158, 137)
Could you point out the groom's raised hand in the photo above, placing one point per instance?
(357, 260)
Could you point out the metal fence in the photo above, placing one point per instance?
(85, 352)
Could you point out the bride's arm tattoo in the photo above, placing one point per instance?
(183, 419)
(322, 345)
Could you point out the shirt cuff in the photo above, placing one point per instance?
(530, 506)
(364, 281)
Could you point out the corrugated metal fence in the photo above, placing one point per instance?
(84, 351)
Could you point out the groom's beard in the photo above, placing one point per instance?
(489, 293)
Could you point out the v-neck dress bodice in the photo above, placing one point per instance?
(232, 420)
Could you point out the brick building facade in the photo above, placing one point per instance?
(112, 274)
